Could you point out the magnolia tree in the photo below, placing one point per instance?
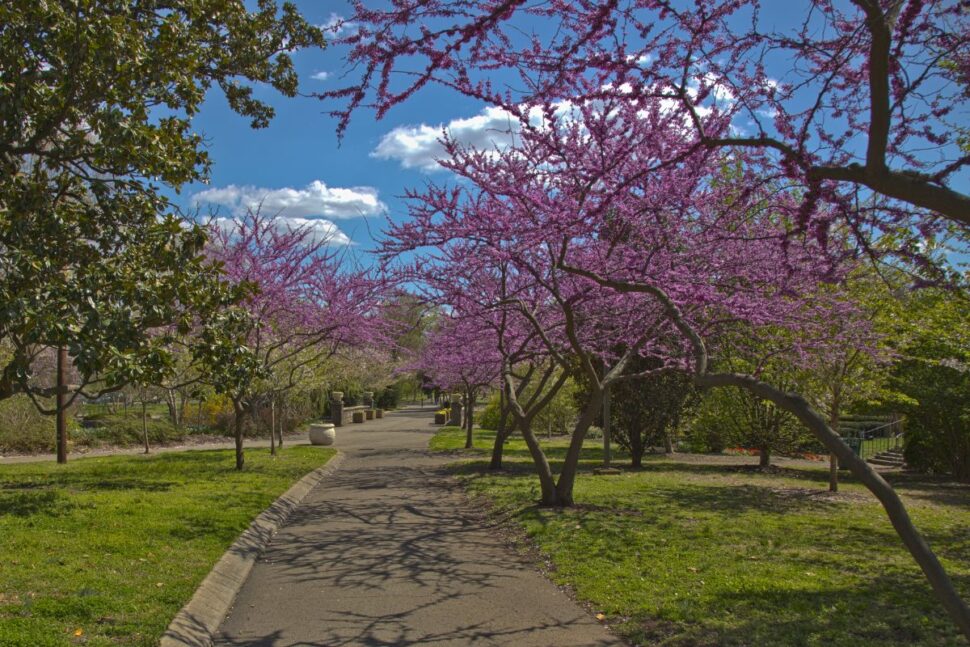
(98, 100)
(306, 307)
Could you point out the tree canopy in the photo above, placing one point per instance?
(96, 102)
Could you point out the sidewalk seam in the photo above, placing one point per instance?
(196, 623)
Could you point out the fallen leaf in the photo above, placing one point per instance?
(600, 616)
(78, 632)
(159, 584)
(692, 569)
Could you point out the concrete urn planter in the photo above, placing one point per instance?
(322, 433)
(378, 413)
(358, 416)
(370, 414)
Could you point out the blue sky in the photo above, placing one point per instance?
(298, 163)
(297, 167)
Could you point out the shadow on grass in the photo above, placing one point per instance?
(32, 486)
(886, 610)
(929, 488)
(26, 504)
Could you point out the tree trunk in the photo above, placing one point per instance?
(668, 443)
(607, 428)
(637, 447)
(935, 573)
(500, 434)
(469, 419)
(547, 481)
(144, 425)
(567, 478)
(282, 420)
(272, 426)
(238, 433)
(61, 420)
(834, 415)
(764, 456)
(171, 401)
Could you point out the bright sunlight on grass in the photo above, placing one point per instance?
(688, 552)
(105, 551)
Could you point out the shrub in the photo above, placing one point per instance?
(388, 397)
(731, 417)
(217, 413)
(938, 424)
(489, 417)
(121, 431)
(646, 412)
(23, 429)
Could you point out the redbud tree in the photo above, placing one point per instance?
(307, 305)
(631, 255)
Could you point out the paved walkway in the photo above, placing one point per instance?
(387, 552)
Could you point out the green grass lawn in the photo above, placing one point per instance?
(105, 551)
(695, 553)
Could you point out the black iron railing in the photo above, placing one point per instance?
(872, 435)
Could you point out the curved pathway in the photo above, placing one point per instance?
(387, 552)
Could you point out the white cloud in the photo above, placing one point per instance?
(315, 200)
(320, 76)
(337, 25)
(320, 229)
(420, 146)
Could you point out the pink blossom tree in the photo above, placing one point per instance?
(461, 354)
(858, 105)
(847, 121)
(625, 251)
(306, 306)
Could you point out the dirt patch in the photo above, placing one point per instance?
(809, 494)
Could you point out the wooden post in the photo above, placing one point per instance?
(62, 405)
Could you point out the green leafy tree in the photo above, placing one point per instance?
(96, 102)
(645, 412)
(933, 374)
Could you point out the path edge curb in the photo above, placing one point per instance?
(196, 623)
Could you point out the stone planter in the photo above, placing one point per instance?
(378, 413)
(440, 418)
(358, 416)
(369, 414)
(322, 433)
(337, 395)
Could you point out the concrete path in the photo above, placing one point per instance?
(387, 552)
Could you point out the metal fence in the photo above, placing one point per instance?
(872, 435)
